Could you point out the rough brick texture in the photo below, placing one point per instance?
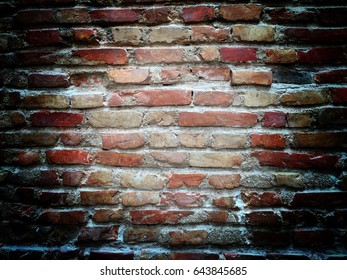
(166, 129)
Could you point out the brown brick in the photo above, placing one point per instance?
(142, 181)
(108, 197)
(129, 76)
(183, 238)
(198, 14)
(215, 160)
(251, 77)
(240, 12)
(169, 35)
(127, 35)
(45, 101)
(208, 33)
(225, 181)
(185, 180)
(228, 141)
(159, 55)
(86, 101)
(253, 33)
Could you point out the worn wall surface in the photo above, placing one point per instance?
(163, 129)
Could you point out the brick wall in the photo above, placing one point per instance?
(162, 129)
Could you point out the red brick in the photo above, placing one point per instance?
(219, 217)
(240, 12)
(105, 197)
(181, 199)
(138, 235)
(29, 17)
(211, 118)
(163, 97)
(185, 180)
(46, 80)
(123, 140)
(48, 37)
(108, 56)
(75, 15)
(322, 55)
(85, 35)
(115, 15)
(98, 233)
(274, 119)
(289, 16)
(159, 55)
(35, 57)
(295, 160)
(317, 35)
(331, 76)
(174, 75)
(208, 33)
(238, 55)
(212, 73)
(213, 98)
(270, 141)
(157, 16)
(335, 140)
(73, 178)
(59, 119)
(64, 217)
(339, 95)
(21, 158)
(69, 157)
(107, 215)
(263, 218)
(154, 217)
(50, 198)
(48, 178)
(198, 14)
(327, 199)
(119, 159)
(261, 199)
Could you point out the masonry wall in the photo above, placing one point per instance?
(164, 129)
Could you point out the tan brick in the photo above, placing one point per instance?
(123, 140)
(127, 35)
(228, 141)
(289, 179)
(129, 76)
(46, 101)
(215, 160)
(209, 53)
(302, 98)
(192, 140)
(161, 118)
(137, 199)
(299, 120)
(259, 99)
(85, 101)
(159, 55)
(163, 140)
(142, 181)
(100, 178)
(169, 35)
(116, 119)
(281, 56)
(253, 33)
(173, 158)
(225, 181)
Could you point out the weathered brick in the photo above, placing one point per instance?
(274, 119)
(127, 35)
(161, 118)
(75, 15)
(303, 98)
(85, 35)
(295, 160)
(225, 181)
(159, 55)
(336, 140)
(289, 179)
(268, 141)
(253, 33)
(226, 202)
(123, 140)
(86, 101)
(180, 199)
(209, 53)
(192, 237)
(206, 33)
(11, 120)
(45, 101)
(72, 178)
(104, 197)
(69, 157)
(263, 218)
(142, 234)
(108, 56)
(322, 55)
(251, 77)
(154, 217)
(212, 73)
(215, 160)
(171, 158)
(332, 117)
(261, 199)
(119, 159)
(100, 178)
(21, 158)
(107, 215)
(281, 56)
(137, 199)
(98, 233)
(299, 120)
(240, 12)
(115, 15)
(157, 16)
(163, 140)
(198, 14)
(53, 198)
(192, 140)
(169, 35)
(71, 139)
(185, 180)
(59, 119)
(129, 76)
(35, 57)
(259, 99)
(211, 118)
(228, 141)
(117, 119)
(143, 181)
(174, 75)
